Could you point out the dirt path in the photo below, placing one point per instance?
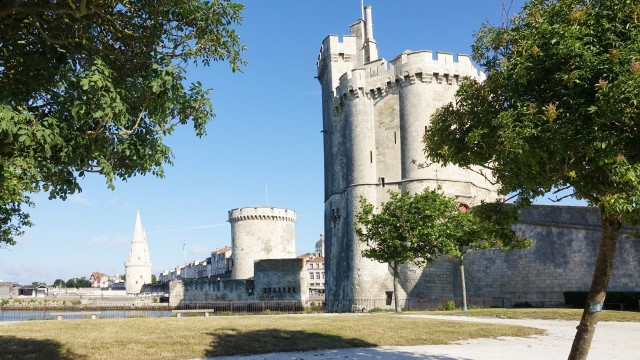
(612, 341)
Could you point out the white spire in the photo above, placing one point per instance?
(138, 234)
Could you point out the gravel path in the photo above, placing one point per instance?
(612, 341)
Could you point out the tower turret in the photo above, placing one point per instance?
(370, 47)
(138, 268)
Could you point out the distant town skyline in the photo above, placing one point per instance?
(263, 147)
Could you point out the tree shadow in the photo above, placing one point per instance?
(12, 347)
(230, 341)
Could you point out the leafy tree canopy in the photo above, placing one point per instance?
(419, 228)
(407, 228)
(560, 108)
(96, 86)
(483, 227)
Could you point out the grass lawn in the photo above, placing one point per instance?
(546, 314)
(194, 337)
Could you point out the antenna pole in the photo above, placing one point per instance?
(362, 8)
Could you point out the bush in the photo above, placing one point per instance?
(377, 310)
(628, 299)
(451, 305)
(522, 305)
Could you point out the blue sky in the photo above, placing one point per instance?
(264, 140)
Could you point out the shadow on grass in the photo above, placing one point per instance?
(229, 342)
(12, 347)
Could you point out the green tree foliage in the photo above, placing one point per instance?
(95, 86)
(483, 227)
(83, 282)
(419, 228)
(154, 279)
(59, 283)
(560, 108)
(407, 229)
(78, 283)
(38, 283)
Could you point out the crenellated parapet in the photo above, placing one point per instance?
(333, 50)
(262, 214)
(411, 67)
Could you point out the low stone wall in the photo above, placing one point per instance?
(275, 280)
(281, 280)
(85, 292)
(210, 290)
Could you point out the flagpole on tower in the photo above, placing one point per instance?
(362, 8)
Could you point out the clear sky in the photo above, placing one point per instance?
(263, 148)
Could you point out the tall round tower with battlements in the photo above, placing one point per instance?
(138, 268)
(374, 117)
(259, 233)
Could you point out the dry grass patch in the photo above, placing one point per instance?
(184, 338)
(543, 314)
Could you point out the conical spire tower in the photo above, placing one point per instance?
(138, 268)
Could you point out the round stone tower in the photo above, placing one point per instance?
(138, 268)
(375, 113)
(260, 233)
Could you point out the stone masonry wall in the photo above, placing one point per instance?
(562, 259)
(209, 290)
(281, 280)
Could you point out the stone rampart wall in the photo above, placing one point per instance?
(281, 280)
(562, 259)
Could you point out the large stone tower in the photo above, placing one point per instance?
(259, 233)
(374, 117)
(138, 268)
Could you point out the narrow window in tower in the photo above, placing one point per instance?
(341, 55)
(382, 181)
(371, 156)
(395, 138)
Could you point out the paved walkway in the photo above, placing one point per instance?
(612, 341)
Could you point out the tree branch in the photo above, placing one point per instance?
(561, 198)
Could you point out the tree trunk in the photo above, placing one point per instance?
(396, 301)
(464, 285)
(611, 225)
